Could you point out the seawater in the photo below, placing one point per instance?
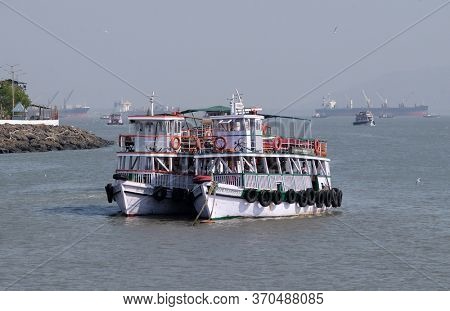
(57, 231)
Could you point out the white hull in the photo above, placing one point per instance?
(224, 204)
(136, 199)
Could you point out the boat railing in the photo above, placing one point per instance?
(158, 179)
(206, 143)
(229, 179)
(294, 145)
(265, 181)
(271, 181)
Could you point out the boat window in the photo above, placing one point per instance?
(272, 165)
(260, 166)
(258, 125)
(286, 165)
(247, 124)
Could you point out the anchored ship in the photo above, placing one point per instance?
(331, 109)
(73, 110)
(228, 162)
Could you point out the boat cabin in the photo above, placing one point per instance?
(159, 133)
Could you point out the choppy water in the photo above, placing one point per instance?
(57, 231)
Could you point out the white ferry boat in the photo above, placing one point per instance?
(364, 118)
(228, 163)
(115, 119)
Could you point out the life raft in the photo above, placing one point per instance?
(200, 179)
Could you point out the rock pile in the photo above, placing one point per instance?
(39, 138)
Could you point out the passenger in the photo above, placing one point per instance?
(304, 171)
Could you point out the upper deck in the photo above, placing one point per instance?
(234, 130)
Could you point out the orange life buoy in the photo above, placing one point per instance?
(175, 143)
(276, 143)
(316, 146)
(220, 143)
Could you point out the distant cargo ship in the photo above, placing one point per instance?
(74, 110)
(331, 110)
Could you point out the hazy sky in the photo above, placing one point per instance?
(195, 53)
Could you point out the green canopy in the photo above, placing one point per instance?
(209, 109)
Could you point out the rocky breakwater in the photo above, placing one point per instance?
(39, 138)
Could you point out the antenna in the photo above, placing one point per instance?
(152, 101)
(12, 72)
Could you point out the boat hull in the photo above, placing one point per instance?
(136, 199)
(227, 203)
(367, 123)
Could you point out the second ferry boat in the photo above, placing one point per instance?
(229, 162)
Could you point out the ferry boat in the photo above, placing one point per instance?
(232, 162)
(364, 118)
(115, 119)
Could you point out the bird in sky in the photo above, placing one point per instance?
(418, 180)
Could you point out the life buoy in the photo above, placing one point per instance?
(175, 143)
(250, 195)
(290, 196)
(316, 147)
(264, 198)
(276, 143)
(276, 197)
(159, 193)
(220, 143)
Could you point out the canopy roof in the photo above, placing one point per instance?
(209, 109)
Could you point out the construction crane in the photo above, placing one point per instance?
(367, 99)
(50, 100)
(384, 100)
(67, 98)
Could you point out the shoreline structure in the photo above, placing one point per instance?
(42, 138)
